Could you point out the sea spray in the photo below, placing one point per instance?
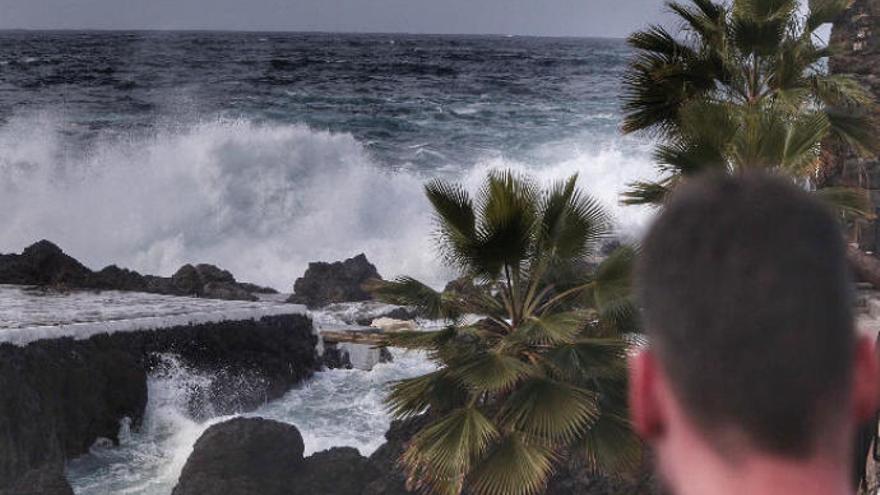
(260, 200)
(336, 408)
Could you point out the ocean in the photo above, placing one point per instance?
(260, 152)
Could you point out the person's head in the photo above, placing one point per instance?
(747, 301)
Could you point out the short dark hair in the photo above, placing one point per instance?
(747, 300)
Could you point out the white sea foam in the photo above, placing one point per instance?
(259, 200)
(28, 315)
(335, 408)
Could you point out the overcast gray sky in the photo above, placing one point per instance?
(615, 18)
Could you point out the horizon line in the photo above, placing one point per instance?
(305, 31)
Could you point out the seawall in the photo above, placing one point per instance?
(64, 386)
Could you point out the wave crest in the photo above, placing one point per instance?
(259, 200)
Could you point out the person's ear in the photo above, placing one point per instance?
(644, 408)
(866, 380)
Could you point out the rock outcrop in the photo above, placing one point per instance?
(244, 456)
(45, 264)
(255, 456)
(48, 480)
(349, 472)
(342, 281)
(57, 397)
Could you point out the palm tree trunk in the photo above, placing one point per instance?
(865, 266)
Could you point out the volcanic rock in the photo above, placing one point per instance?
(342, 281)
(244, 456)
(45, 264)
(47, 480)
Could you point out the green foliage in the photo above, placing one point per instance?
(743, 85)
(540, 377)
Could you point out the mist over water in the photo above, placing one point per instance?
(261, 153)
(261, 200)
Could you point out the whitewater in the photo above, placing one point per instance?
(261, 152)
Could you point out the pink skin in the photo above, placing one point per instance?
(690, 465)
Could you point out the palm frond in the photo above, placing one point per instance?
(549, 409)
(407, 291)
(802, 143)
(413, 396)
(612, 291)
(646, 193)
(855, 128)
(850, 202)
(491, 371)
(423, 340)
(761, 36)
(453, 206)
(840, 90)
(703, 18)
(508, 211)
(609, 445)
(825, 11)
(657, 40)
(442, 453)
(589, 358)
(552, 329)
(514, 466)
(571, 224)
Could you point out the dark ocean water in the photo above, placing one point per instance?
(413, 100)
(262, 151)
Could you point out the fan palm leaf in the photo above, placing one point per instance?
(515, 466)
(550, 409)
(443, 451)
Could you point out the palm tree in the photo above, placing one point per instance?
(743, 86)
(539, 377)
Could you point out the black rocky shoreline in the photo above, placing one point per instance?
(59, 396)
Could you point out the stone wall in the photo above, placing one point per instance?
(855, 39)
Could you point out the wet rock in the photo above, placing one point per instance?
(575, 478)
(226, 290)
(115, 278)
(255, 456)
(257, 289)
(244, 456)
(395, 314)
(186, 281)
(209, 281)
(59, 397)
(44, 263)
(47, 480)
(325, 283)
(340, 471)
(335, 358)
(354, 356)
